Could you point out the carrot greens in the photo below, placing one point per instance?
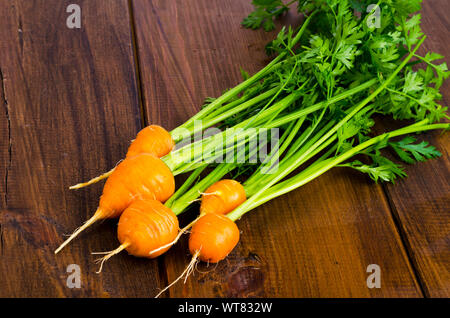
(337, 77)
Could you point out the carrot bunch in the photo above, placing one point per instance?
(323, 105)
(148, 170)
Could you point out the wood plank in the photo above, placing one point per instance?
(73, 107)
(421, 202)
(4, 145)
(317, 241)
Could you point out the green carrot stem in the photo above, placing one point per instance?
(256, 186)
(240, 87)
(183, 201)
(279, 150)
(189, 181)
(191, 153)
(175, 158)
(257, 179)
(179, 205)
(180, 135)
(294, 161)
(300, 113)
(320, 167)
(212, 120)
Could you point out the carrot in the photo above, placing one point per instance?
(222, 197)
(143, 176)
(212, 238)
(144, 226)
(152, 139)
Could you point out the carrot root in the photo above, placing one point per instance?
(88, 223)
(92, 181)
(108, 255)
(195, 200)
(180, 233)
(202, 194)
(186, 273)
(209, 193)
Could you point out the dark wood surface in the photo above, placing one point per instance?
(72, 100)
(72, 109)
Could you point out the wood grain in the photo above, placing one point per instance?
(189, 50)
(72, 109)
(303, 245)
(421, 202)
(5, 150)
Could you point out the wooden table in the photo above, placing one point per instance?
(71, 99)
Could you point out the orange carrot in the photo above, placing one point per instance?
(212, 238)
(144, 226)
(153, 139)
(222, 197)
(143, 176)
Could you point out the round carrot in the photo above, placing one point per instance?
(222, 197)
(143, 176)
(213, 237)
(153, 139)
(144, 226)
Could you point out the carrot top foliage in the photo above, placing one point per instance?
(341, 68)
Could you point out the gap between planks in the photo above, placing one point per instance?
(8, 165)
(135, 49)
(144, 119)
(405, 243)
